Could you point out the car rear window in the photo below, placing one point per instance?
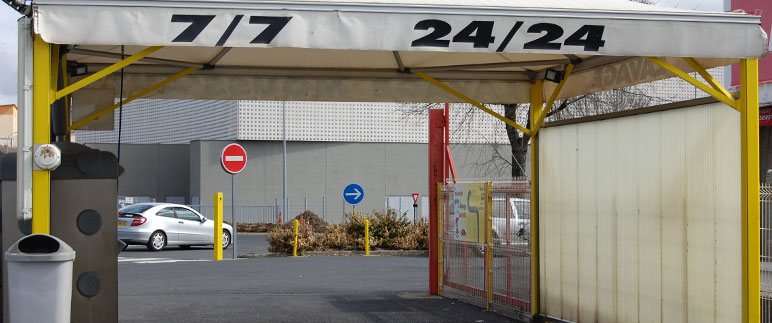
(136, 208)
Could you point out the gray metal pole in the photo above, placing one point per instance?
(233, 214)
(284, 160)
(324, 208)
(305, 204)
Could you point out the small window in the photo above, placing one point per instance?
(166, 212)
(186, 214)
(136, 208)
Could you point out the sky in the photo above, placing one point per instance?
(9, 48)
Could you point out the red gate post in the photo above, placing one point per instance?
(436, 175)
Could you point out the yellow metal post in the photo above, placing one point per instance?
(367, 237)
(749, 118)
(218, 226)
(41, 134)
(441, 233)
(295, 244)
(488, 247)
(537, 100)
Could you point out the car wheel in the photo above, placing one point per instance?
(226, 239)
(157, 241)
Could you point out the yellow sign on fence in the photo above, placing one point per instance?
(468, 212)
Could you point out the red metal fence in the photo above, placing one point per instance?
(490, 267)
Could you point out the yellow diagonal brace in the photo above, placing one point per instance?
(729, 100)
(707, 77)
(537, 125)
(106, 71)
(473, 102)
(142, 93)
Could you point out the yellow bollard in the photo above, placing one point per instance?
(367, 237)
(295, 245)
(217, 226)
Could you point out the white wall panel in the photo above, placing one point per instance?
(640, 218)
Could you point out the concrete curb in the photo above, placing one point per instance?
(343, 253)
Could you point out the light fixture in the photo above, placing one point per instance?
(77, 69)
(553, 75)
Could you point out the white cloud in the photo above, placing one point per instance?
(699, 5)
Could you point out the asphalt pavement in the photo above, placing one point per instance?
(177, 285)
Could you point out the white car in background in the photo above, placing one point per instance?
(157, 225)
(519, 211)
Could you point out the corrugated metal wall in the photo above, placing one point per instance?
(640, 218)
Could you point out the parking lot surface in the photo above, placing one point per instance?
(186, 286)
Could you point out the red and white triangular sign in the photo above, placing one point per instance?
(415, 197)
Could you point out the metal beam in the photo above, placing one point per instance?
(107, 71)
(398, 59)
(473, 102)
(140, 94)
(749, 119)
(551, 62)
(219, 56)
(144, 59)
(702, 86)
(353, 73)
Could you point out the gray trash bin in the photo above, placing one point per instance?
(39, 279)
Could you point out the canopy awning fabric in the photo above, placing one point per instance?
(366, 50)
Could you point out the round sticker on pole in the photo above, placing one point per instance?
(233, 158)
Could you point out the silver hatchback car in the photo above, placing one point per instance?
(157, 225)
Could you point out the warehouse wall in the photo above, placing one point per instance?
(315, 170)
(152, 170)
(323, 169)
(641, 218)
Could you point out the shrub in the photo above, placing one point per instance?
(282, 237)
(310, 218)
(388, 230)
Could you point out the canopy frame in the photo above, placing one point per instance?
(46, 92)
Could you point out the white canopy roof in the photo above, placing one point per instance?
(364, 50)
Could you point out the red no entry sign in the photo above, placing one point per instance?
(233, 158)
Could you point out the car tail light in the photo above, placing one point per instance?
(138, 220)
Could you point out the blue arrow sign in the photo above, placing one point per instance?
(353, 194)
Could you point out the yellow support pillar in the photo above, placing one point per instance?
(367, 237)
(537, 102)
(749, 119)
(217, 226)
(295, 244)
(41, 134)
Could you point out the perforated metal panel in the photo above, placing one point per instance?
(361, 122)
(169, 122)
